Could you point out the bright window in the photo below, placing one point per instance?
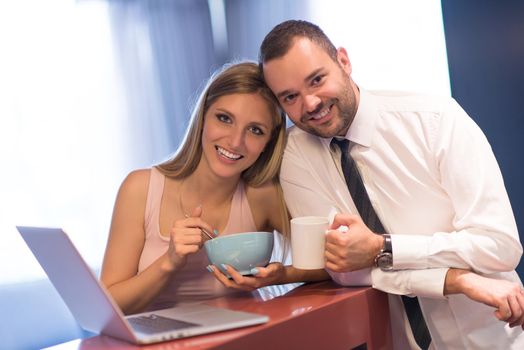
(61, 123)
(397, 45)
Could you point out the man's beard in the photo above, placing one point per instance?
(344, 106)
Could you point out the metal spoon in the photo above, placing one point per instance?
(202, 230)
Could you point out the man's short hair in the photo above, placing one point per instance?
(279, 40)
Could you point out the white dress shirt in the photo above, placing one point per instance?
(434, 182)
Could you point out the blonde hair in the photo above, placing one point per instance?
(234, 78)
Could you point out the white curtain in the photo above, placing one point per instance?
(61, 113)
(90, 90)
(248, 21)
(164, 51)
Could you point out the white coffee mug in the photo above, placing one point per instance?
(308, 240)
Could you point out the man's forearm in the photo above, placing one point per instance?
(292, 275)
(455, 281)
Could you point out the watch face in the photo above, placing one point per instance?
(385, 261)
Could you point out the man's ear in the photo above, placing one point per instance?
(343, 60)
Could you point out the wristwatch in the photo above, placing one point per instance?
(384, 259)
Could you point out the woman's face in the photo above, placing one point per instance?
(236, 130)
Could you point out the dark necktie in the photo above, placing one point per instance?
(367, 213)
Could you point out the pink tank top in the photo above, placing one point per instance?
(193, 282)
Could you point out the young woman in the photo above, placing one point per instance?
(222, 180)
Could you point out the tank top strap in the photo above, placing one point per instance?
(240, 215)
(154, 200)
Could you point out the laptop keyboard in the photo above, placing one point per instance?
(156, 324)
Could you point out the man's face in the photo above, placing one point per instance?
(316, 92)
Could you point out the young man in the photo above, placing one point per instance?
(434, 206)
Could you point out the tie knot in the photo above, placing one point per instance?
(342, 144)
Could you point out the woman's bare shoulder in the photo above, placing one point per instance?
(139, 175)
(137, 182)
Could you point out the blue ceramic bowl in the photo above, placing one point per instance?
(242, 251)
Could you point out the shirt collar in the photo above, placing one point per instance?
(363, 126)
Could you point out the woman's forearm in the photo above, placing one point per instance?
(135, 294)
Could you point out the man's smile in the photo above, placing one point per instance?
(319, 115)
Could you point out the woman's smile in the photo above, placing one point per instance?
(227, 154)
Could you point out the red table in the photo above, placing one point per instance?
(313, 316)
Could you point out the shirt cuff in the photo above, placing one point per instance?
(353, 279)
(410, 251)
(427, 283)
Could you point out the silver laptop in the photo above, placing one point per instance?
(95, 310)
